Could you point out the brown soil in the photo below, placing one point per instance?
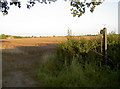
(19, 70)
(19, 62)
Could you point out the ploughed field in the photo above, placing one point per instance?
(21, 57)
(13, 43)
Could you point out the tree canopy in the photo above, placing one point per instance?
(78, 7)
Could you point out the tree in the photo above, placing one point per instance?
(78, 7)
(2, 36)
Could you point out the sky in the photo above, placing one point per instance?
(56, 18)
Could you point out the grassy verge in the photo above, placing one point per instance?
(74, 65)
(77, 76)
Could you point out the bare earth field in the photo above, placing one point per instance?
(21, 57)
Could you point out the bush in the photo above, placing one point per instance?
(75, 65)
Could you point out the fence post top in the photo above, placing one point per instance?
(104, 28)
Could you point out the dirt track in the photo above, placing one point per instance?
(20, 64)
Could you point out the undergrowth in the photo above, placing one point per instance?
(77, 65)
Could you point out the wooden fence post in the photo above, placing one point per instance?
(104, 42)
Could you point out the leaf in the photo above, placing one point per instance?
(74, 15)
(71, 3)
(80, 14)
(88, 4)
(92, 9)
(83, 10)
(71, 9)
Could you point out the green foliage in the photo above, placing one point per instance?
(80, 49)
(19, 37)
(75, 65)
(5, 5)
(76, 75)
(90, 50)
(114, 49)
(78, 9)
(3, 36)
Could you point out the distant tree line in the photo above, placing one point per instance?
(3, 36)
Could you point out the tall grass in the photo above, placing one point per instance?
(76, 65)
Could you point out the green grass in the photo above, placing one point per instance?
(74, 65)
(77, 76)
